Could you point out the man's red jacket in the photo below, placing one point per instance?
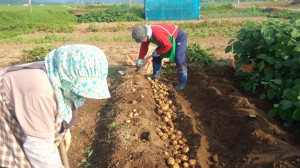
(160, 34)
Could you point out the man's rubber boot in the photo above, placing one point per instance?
(156, 70)
(182, 78)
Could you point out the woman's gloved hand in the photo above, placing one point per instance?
(139, 62)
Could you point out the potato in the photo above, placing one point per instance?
(160, 112)
(168, 115)
(174, 142)
(171, 161)
(171, 129)
(165, 107)
(130, 115)
(166, 153)
(185, 164)
(185, 149)
(184, 158)
(192, 162)
(176, 165)
(176, 147)
(180, 142)
(164, 138)
(178, 161)
(166, 119)
(172, 136)
(179, 132)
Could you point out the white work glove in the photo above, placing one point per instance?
(67, 139)
(139, 62)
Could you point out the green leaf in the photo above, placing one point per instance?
(295, 32)
(262, 56)
(296, 104)
(290, 94)
(268, 33)
(276, 81)
(271, 93)
(286, 104)
(283, 114)
(288, 83)
(278, 66)
(268, 74)
(241, 34)
(296, 114)
(297, 48)
(261, 66)
(247, 86)
(256, 35)
(90, 153)
(270, 60)
(228, 49)
(230, 41)
(270, 41)
(236, 45)
(296, 82)
(273, 112)
(263, 96)
(274, 86)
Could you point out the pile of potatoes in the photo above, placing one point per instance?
(177, 150)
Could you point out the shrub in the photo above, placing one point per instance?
(273, 48)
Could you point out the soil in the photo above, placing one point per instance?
(222, 125)
(271, 10)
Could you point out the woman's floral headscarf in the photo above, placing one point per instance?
(76, 72)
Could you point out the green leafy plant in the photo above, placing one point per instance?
(87, 154)
(111, 127)
(114, 14)
(93, 28)
(197, 54)
(37, 53)
(273, 48)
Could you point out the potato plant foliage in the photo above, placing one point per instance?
(37, 53)
(114, 14)
(196, 53)
(273, 47)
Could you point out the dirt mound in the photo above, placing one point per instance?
(221, 126)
